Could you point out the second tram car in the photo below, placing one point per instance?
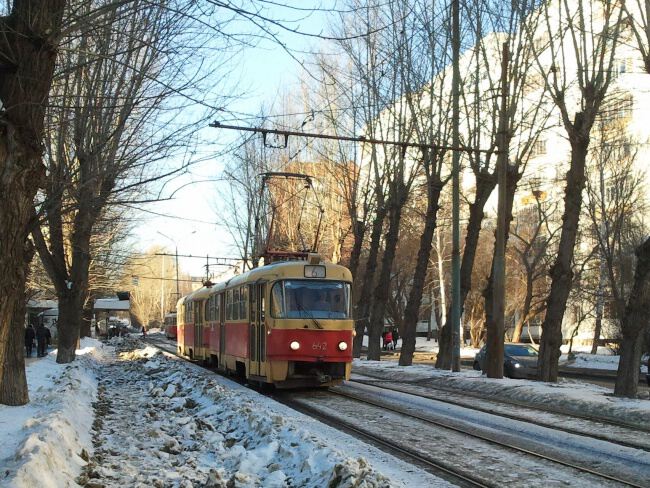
(170, 325)
(287, 323)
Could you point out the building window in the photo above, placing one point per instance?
(538, 148)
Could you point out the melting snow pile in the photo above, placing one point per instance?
(162, 422)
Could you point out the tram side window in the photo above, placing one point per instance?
(229, 305)
(210, 310)
(243, 301)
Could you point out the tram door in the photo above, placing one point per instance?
(222, 330)
(198, 327)
(257, 335)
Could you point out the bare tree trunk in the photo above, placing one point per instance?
(382, 290)
(359, 232)
(86, 317)
(513, 177)
(363, 302)
(485, 184)
(28, 39)
(600, 298)
(561, 271)
(13, 381)
(635, 322)
(415, 294)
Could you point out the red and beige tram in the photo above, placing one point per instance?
(287, 323)
(170, 325)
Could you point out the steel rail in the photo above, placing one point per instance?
(437, 466)
(568, 430)
(516, 403)
(488, 439)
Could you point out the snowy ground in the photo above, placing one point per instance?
(124, 415)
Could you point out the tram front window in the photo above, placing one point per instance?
(315, 299)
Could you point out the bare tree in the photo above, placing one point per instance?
(635, 320)
(112, 120)
(582, 38)
(615, 201)
(29, 34)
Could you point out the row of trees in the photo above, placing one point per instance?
(391, 80)
(99, 99)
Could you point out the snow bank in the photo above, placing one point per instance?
(43, 442)
(567, 395)
(199, 431)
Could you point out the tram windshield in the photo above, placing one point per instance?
(312, 299)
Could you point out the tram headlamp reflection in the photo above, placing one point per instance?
(295, 345)
(343, 346)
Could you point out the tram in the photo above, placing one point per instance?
(288, 324)
(170, 325)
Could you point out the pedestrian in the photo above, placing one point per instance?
(395, 339)
(48, 338)
(41, 340)
(144, 332)
(30, 334)
(388, 340)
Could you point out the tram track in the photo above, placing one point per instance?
(467, 432)
(597, 422)
(425, 382)
(444, 470)
(436, 466)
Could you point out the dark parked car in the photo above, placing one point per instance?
(519, 360)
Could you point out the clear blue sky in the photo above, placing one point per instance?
(262, 72)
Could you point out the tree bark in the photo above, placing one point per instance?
(635, 322)
(380, 295)
(359, 231)
(13, 381)
(363, 302)
(561, 271)
(485, 184)
(513, 177)
(28, 39)
(86, 317)
(434, 187)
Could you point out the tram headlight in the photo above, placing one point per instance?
(295, 345)
(343, 346)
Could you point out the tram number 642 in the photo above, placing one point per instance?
(319, 346)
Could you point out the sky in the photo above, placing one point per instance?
(189, 220)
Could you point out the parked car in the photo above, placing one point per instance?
(519, 360)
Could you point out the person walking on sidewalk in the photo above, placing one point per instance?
(395, 338)
(30, 334)
(41, 340)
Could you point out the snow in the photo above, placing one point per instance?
(127, 415)
(49, 434)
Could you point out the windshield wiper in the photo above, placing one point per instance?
(309, 315)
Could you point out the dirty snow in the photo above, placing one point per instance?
(127, 415)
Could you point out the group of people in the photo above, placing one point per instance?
(390, 338)
(43, 338)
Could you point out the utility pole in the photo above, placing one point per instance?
(455, 213)
(495, 335)
(178, 292)
(162, 290)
